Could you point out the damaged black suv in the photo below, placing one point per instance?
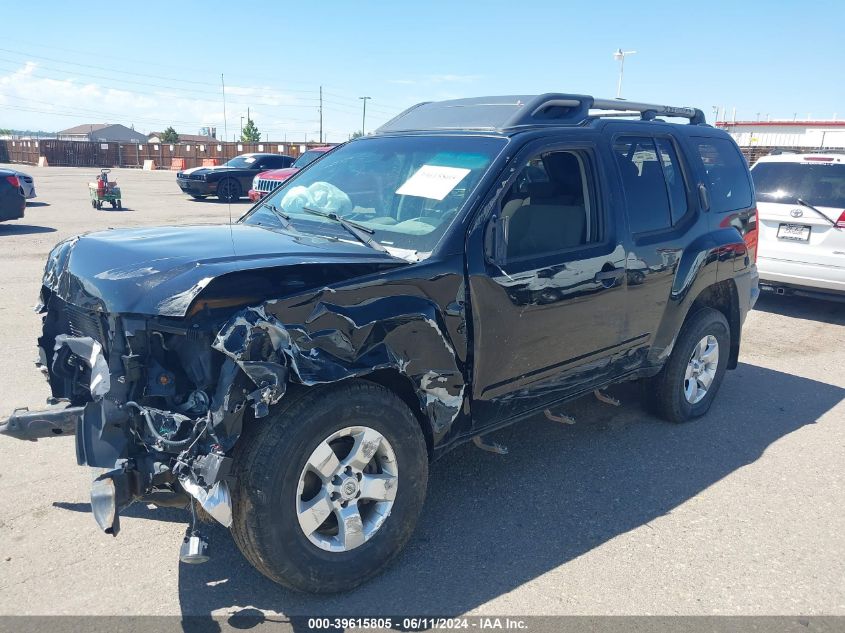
(472, 263)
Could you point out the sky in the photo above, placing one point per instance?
(152, 64)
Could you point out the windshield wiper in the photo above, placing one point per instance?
(812, 208)
(284, 217)
(362, 233)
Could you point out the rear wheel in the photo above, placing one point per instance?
(685, 387)
(229, 190)
(330, 487)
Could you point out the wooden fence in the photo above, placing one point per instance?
(85, 154)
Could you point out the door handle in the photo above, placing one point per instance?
(608, 278)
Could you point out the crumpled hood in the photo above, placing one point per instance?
(162, 270)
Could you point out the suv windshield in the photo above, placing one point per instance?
(307, 158)
(821, 185)
(406, 190)
(241, 161)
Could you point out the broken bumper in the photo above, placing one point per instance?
(32, 425)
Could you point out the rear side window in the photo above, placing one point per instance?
(646, 174)
(726, 174)
(822, 185)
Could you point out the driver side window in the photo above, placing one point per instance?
(550, 206)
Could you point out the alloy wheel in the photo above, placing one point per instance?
(347, 489)
(701, 369)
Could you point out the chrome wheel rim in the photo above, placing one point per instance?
(347, 488)
(701, 369)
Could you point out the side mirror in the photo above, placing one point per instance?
(703, 197)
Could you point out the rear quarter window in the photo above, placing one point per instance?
(727, 174)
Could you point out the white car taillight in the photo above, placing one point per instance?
(840, 223)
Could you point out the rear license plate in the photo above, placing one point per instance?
(794, 232)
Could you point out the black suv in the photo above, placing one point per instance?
(472, 263)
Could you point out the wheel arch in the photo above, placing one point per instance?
(724, 297)
(403, 388)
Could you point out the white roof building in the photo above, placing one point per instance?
(816, 134)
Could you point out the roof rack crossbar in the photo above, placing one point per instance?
(650, 110)
(574, 109)
(514, 112)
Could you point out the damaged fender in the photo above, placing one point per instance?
(333, 342)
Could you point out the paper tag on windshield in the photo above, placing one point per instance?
(433, 182)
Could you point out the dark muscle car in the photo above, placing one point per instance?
(230, 180)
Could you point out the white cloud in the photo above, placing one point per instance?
(33, 101)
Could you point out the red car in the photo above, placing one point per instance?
(266, 181)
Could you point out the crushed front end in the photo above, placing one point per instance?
(153, 405)
(145, 400)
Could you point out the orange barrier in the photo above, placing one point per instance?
(177, 164)
(210, 162)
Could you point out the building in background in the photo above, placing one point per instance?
(102, 133)
(797, 134)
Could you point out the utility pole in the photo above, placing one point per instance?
(242, 126)
(321, 115)
(364, 118)
(225, 127)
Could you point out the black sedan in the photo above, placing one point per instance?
(12, 200)
(231, 180)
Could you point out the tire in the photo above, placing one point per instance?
(120, 205)
(270, 462)
(229, 190)
(668, 392)
(93, 204)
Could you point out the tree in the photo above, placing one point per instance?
(357, 134)
(169, 135)
(250, 133)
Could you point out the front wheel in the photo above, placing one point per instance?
(685, 387)
(229, 190)
(329, 487)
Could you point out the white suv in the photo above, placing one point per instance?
(801, 206)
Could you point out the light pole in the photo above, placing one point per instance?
(242, 127)
(364, 118)
(619, 56)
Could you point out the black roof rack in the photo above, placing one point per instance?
(512, 112)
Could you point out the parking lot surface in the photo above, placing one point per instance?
(740, 512)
